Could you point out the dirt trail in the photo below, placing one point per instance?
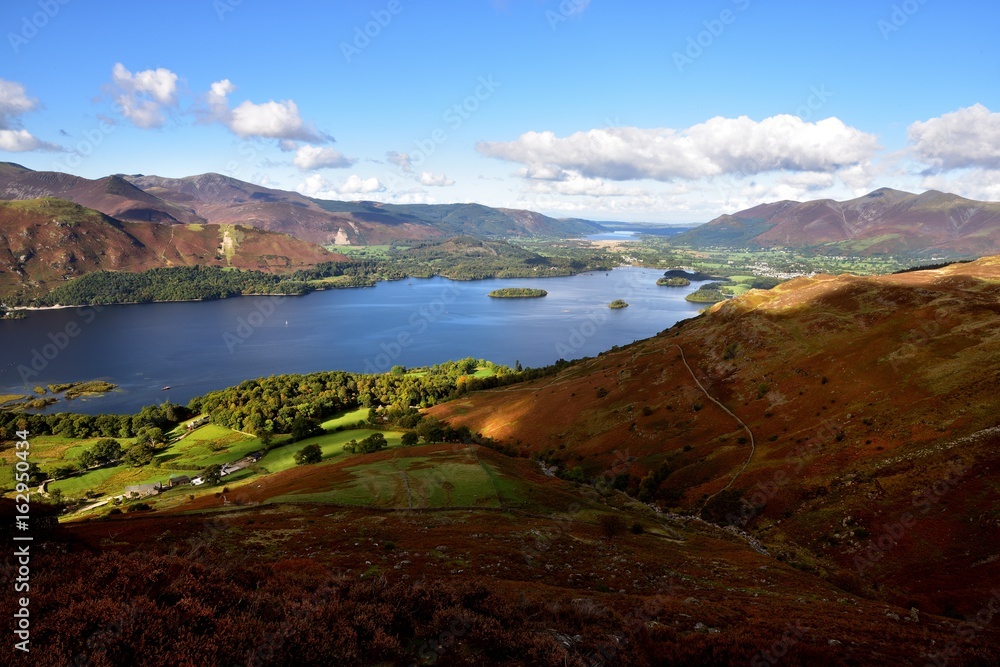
(753, 445)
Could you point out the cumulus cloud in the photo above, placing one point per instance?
(964, 138)
(401, 160)
(143, 96)
(435, 180)
(715, 147)
(320, 187)
(19, 141)
(574, 184)
(310, 157)
(272, 120)
(981, 184)
(14, 102)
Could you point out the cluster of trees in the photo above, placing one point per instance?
(373, 443)
(460, 258)
(169, 284)
(107, 451)
(517, 293)
(274, 403)
(309, 454)
(162, 417)
(673, 282)
(355, 273)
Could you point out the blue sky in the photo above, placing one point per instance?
(655, 111)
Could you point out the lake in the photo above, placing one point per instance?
(198, 347)
(636, 234)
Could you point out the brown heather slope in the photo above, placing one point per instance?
(873, 405)
(534, 583)
(46, 241)
(111, 195)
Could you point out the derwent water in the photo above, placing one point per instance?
(197, 347)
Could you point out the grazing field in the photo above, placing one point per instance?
(446, 478)
(332, 445)
(346, 419)
(436, 476)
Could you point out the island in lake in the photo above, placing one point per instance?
(618, 303)
(517, 293)
(673, 282)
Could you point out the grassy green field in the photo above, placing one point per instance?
(735, 290)
(207, 445)
(346, 419)
(48, 451)
(362, 251)
(446, 478)
(332, 445)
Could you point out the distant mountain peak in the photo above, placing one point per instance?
(884, 192)
(13, 167)
(882, 221)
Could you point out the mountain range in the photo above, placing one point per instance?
(220, 200)
(46, 241)
(884, 221)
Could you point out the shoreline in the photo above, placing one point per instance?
(140, 303)
(25, 309)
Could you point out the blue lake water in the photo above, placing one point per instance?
(614, 236)
(197, 347)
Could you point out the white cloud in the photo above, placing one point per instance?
(967, 137)
(217, 98)
(273, 120)
(715, 147)
(980, 184)
(573, 184)
(401, 160)
(320, 187)
(435, 180)
(19, 141)
(362, 186)
(309, 157)
(14, 102)
(142, 97)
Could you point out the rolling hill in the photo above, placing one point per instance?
(47, 241)
(883, 221)
(220, 200)
(849, 423)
